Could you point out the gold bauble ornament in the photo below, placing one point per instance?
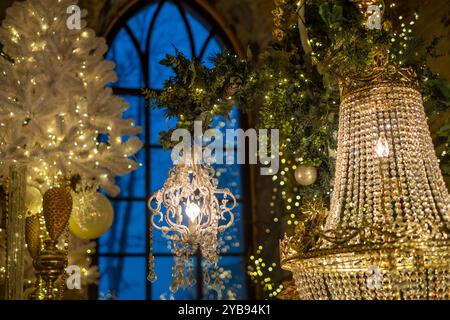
(92, 216)
(57, 206)
(33, 200)
(32, 227)
(306, 175)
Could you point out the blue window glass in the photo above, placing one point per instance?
(127, 235)
(128, 65)
(142, 38)
(121, 278)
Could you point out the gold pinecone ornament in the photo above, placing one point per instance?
(57, 209)
(50, 263)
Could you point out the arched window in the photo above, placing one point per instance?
(138, 40)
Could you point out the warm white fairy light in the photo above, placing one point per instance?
(192, 211)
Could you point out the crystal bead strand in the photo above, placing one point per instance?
(345, 164)
(390, 174)
(152, 276)
(356, 153)
(401, 185)
(348, 183)
(406, 154)
(374, 203)
(362, 167)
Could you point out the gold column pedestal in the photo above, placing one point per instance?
(50, 264)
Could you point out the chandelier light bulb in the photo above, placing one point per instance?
(382, 148)
(192, 211)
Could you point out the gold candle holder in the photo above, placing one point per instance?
(34, 245)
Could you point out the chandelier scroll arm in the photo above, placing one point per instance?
(229, 224)
(227, 209)
(155, 211)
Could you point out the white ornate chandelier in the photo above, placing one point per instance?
(192, 211)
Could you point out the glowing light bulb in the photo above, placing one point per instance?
(382, 148)
(192, 211)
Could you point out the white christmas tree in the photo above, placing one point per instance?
(54, 105)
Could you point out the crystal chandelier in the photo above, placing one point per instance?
(387, 233)
(192, 211)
